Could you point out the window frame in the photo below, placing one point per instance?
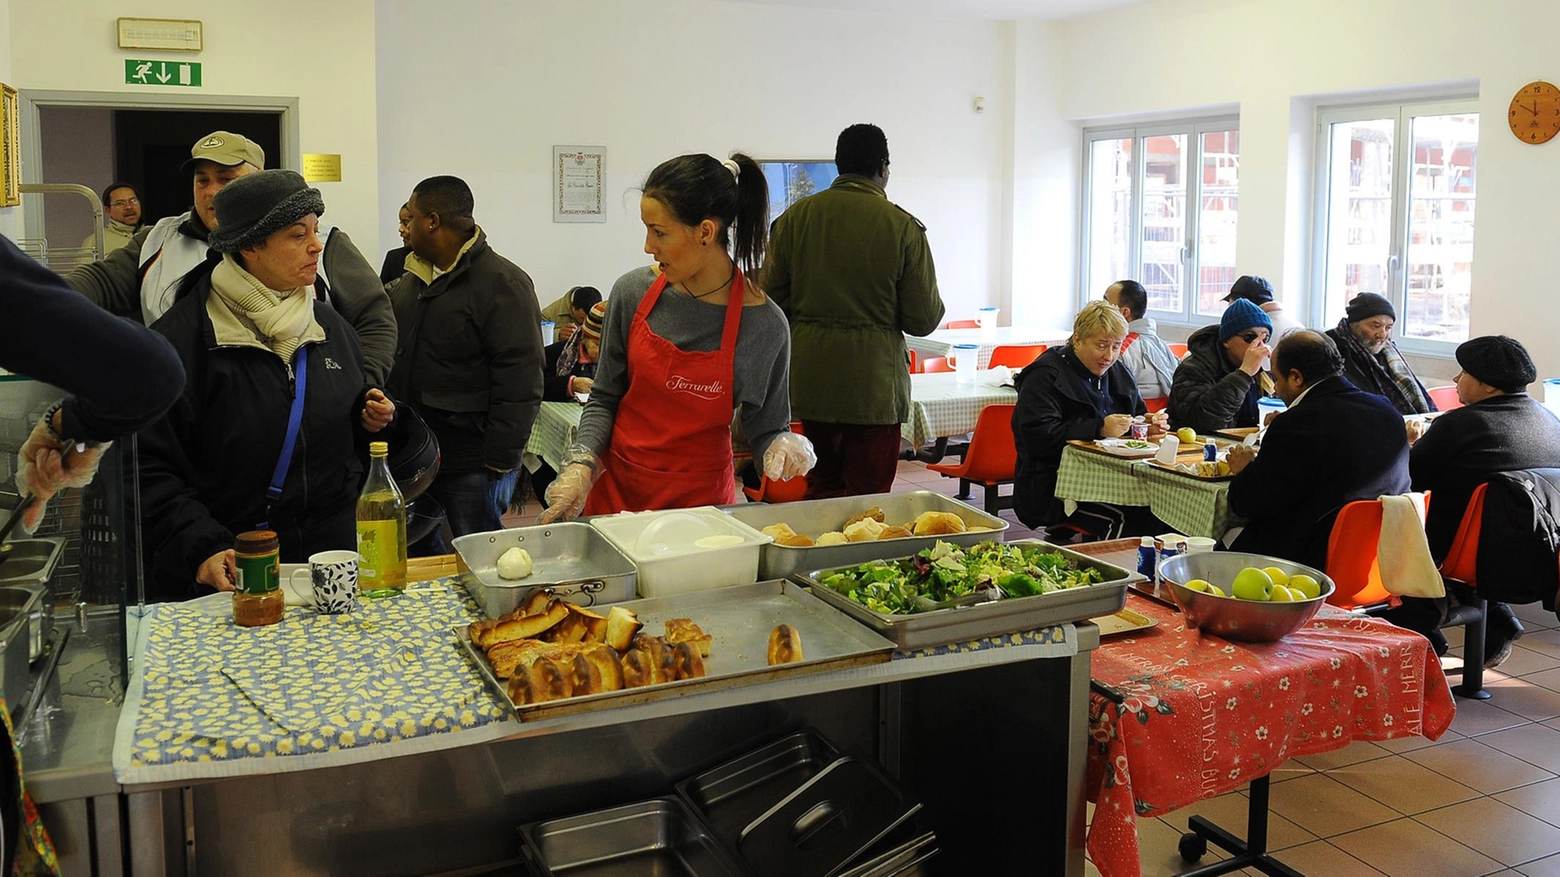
(1193, 130)
(1403, 112)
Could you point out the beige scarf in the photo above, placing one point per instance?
(245, 312)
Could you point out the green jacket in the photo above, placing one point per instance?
(853, 273)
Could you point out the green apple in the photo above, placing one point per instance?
(1306, 585)
(1278, 576)
(1282, 594)
(1252, 584)
(1187, 435)
(1202, 585)
(1217, 591)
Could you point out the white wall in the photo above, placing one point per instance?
(1277, 61)
(78, 147)
(649, 81)
(321, 53)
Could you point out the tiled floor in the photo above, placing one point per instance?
(1484, 799)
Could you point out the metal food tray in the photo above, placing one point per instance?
(962, 623)
(818, 516)
(570, 560)
(735, 793)
(739, 619)
(660, 837)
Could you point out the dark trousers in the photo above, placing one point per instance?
(853, 459)
(474, 502)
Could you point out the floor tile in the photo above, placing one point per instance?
(1406, 848)
(1322, 859)
(1546, 642)
(1401, 745)
(1546, 867)
(1548, 678)
(1403, 785)
(1475, 717)
(1539, 799)
(1524, 697)
(1230, 812)
(1158, 849)
(1535, 744)
(1534, 615)
(1325, 807)
(1289, 770)
(1525, 662)
(1454, 636)
(1501, 832)
(1480, 767)
(1354, 753)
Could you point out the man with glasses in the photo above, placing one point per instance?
(122, 209)
(1223, 375)
(1370, 359)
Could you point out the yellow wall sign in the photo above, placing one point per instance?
(321, 167)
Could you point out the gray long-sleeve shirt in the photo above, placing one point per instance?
(761, 385)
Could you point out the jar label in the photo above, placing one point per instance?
(258, 574)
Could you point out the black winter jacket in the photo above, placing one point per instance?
(1207, 393)
(469, 357)
(1519, 537)
(206, 464)
(1059, 399)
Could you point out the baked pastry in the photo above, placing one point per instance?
(785, 645)
(833, 537)
(622, 624)
(874, 513)
(795, 540)
(526, 627)
(778, 531)
(683, 630)
(895, 532)
(938, 524)
(864, 530)
(546, 679)
(687, 661)
(638, 668)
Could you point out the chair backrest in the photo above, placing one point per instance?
(992, 455)
(915, 361)
(1351, 556)
(1158, 403)
(935, 364)
(1015, 356)
(1462, 560)
(962, 324)
(1445, 398)
(1177, 350)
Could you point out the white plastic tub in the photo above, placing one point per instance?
(666, 548)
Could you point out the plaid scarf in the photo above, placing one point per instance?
(1386, 374)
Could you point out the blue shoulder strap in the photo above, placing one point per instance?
(294, 421)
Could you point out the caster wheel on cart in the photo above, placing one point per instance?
(1192, 847)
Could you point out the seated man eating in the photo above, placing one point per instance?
(1334, 444)
(1219, 382)
(1371, 361)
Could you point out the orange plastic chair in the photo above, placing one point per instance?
(1445, 398)
(935, 364)
(1158, 403)
(1462, 565)
(990, 460)
(787, 490)
(1177, 350)
(962, 324)
(915, 364)
(1015, 355)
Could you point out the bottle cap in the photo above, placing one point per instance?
(379, 449)
(256, 542)
(1146, 542)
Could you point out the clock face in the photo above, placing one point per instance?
(1535, 112)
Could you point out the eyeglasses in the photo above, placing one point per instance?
(1251, 337)
(135, 201)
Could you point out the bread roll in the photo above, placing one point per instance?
(547, 680)
(785, 645)
(894, 533)
(833, 537)
(938, 524)
(683, 630)
(687, 660)
(778, 531)
(638, 668)
(795, 540)
(864, 530)
(874, 513)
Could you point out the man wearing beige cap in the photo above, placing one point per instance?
(147, 275)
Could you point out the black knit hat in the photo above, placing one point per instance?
(1252, 288)
(252, 207)
(1367, 305)
(1501, 362)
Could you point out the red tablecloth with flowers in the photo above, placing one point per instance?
(1204, 716)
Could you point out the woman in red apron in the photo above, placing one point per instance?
(677, 359)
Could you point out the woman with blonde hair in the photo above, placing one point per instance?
(1079, 391)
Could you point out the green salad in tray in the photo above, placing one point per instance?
(947, 572)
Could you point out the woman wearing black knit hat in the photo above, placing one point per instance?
(1500, 428)
(253, 339)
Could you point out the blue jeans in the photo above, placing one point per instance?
(474, 502)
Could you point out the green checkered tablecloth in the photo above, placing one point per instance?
(554, 429)
(1192, 506)
(940, 406)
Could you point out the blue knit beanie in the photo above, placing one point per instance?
(1240, 316)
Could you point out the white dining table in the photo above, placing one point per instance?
(941, 406)
(941, 342)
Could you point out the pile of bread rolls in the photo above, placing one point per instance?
(869, 526)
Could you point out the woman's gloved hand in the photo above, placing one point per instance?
(46, 465)
(566, 495)
(789, 456)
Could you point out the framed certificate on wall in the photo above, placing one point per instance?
(10, 149)
(578, 173)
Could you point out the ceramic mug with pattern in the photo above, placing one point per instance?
(335, 578)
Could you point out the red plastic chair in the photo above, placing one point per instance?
(962, 324)
(1445, 398)
(990, 460)
(1177, 350)
(1015, 356)
(1158, 403)
(935, 364)
(915, 363)
(787, 490)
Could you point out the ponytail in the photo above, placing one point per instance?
(699, 187)
(751, 229)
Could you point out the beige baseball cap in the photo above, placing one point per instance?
(227, 149)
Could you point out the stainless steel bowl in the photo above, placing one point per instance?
(1244, 620)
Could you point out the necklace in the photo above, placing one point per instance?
(729, 278)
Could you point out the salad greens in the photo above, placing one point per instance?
(945, 571)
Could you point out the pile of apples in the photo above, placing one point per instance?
(1266, 585)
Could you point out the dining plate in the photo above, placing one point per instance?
(1124, 621)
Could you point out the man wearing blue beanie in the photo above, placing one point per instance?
(1219, 382)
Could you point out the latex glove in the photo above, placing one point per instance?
(789, 456)
(45, 466)
(378, 411)
(219, 571)
(566, 495)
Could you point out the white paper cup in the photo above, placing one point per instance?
(1199, 544)
(547, 332)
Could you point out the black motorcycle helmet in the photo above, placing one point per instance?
(414, 452)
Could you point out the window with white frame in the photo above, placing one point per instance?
(1395, 195)
(1159, 207)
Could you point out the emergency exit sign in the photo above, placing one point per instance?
(170, 73)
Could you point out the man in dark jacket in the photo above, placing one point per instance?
(1371, 361)
(853, 273)
(1334, 444)
(1218, 383)
(241, 334)
(470, 355)
(1500, 428)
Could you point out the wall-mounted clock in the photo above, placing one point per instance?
(1535, 112)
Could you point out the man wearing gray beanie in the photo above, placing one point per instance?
(253, 338)
(1371, 361)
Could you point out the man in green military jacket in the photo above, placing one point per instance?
(853, 273)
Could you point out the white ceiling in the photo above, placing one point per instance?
(987, 9)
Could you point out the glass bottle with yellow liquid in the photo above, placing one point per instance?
(381, 529)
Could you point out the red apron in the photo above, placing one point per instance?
(671, 441)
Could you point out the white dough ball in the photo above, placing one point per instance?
(514, 564)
